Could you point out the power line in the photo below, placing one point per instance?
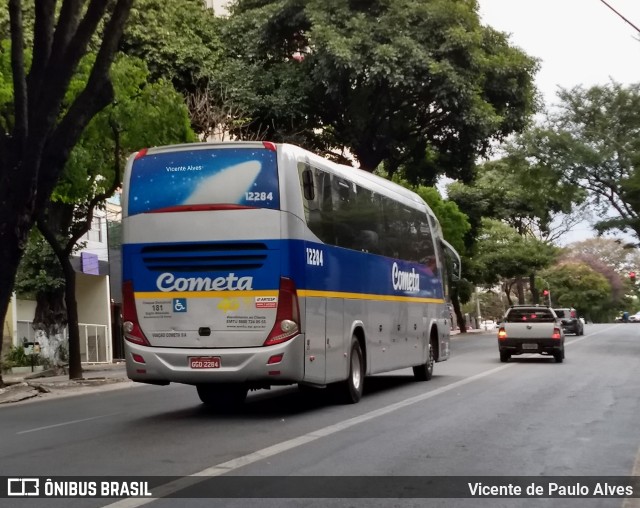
(625, 19)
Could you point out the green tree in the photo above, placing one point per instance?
(40, 277)
(504, 256)
(575, 284)
(143, 114)
(614, 253)
(37, 134)
(525, 193)
(413, 83)
(455, 224)
(593, 141)
(522, 192)
(178, 39)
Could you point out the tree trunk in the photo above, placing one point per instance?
(458, 311)
(507, 291)
(51, 314)
(75, 360)
(15, 223)
(24, 180)
(520, 289)
(535, 294)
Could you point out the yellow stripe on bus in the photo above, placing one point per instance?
(303, 293)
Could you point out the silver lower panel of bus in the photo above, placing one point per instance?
(236, 365)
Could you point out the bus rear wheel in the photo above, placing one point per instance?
(350, 390)
(424, 372)
(222, 396)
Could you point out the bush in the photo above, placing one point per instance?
(16, 357)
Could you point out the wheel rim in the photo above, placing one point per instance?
(356, 374)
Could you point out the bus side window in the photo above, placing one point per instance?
(315, 186)
(343, 194)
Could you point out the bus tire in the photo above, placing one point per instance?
(222, 396)
(424, 372)
(350, 390)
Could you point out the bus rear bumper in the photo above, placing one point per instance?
(255, 365)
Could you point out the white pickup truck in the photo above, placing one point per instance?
(530, 329)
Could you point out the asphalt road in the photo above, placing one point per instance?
(476, 418)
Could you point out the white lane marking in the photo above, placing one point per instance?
(71, 422)
(231, 465)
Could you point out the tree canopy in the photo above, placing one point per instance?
(576, 284)
(416, 83)
(525, 193)
(178, 39)
(593, 141)
(38, 133)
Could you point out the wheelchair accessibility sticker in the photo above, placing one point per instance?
(179, 305)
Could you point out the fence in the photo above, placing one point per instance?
(95, 344)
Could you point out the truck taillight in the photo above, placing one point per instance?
(502, 333)
(132, 331)
(287, 323)
(556, 333)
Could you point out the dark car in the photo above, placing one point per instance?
(571, 323)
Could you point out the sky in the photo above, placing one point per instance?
(578, 42)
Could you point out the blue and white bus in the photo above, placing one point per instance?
(253, 264)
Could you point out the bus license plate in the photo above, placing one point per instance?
(204, 362)
(529, 346)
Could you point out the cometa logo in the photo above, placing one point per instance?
(405, 281)
(169, 282)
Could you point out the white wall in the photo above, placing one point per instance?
(219, 6)
(94, 307)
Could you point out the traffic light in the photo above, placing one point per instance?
(632, 277)
(545, 292)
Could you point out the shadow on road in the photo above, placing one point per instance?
(282, 402)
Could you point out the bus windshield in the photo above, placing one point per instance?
(234, 176)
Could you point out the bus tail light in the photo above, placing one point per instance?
(287, 323)
(502, 333)
(556, 333)
(132, 331)
(141, 153)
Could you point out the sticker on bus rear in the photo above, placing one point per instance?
(266, 302)
(233, 176)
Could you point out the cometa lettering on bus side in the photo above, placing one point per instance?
(405, 281)
(169, 282)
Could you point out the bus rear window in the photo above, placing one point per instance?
(225, 176)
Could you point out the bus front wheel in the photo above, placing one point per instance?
(350, 390)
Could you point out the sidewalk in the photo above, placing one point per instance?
(28, 386)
